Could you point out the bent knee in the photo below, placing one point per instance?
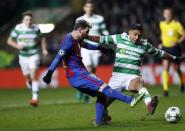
(136, 84)
(102, 87)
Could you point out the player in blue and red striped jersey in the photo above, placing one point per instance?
(78, 75)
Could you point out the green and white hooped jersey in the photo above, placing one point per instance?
(129, 55)
(28, 37)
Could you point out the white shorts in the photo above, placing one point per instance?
(122, 82)
(90, 57)
(29, 63)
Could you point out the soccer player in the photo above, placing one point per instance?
(90, 58)
(172, 34)
(77, 74)
(130, 51)
(25, 37)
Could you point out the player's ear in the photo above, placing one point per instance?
(84, 8)
(129, 32)
(80, 30)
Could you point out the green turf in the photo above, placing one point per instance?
(59, 110)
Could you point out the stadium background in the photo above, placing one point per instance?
(62, 13)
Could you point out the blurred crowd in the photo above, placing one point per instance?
(119, 14)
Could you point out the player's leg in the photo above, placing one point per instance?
(165, 76)
(33, 66)
(177, 68)
(137, 84)
(92, 83)
(100, 108)
(177, 52)
(100, 102)
(25, 67)
(28, 81)
(120, 83)
(24, 64)
(115, 83)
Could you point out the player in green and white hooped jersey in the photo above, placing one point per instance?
(130, 51)
(25, 37)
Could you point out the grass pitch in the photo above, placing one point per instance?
(58, 110)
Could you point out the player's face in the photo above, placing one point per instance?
(27, 20)
(167, 14)
(135, 35)
(88, 8)
(84, 32)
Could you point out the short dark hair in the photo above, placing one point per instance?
(89, 2)
(168, 8)
(136, 27)
(81, 24)
(27, 13)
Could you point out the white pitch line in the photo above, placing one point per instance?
(41, 104)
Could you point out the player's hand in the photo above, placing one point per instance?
(179, 59)
(20, 47)
(47, 77)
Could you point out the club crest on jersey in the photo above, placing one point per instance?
(61, 52)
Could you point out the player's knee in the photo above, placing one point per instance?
(136, 84)
(102, 87)
(177, 67)
(28, 78)
(166, 65)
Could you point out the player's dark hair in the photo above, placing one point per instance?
(89, 2)
(136, 27)
(27, 13)
(81, 24)
(168, 8)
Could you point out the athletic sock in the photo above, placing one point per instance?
(117, 95)
(99, 112)
(100, 109)
(165, 76)
(147, 98)
(35, 90)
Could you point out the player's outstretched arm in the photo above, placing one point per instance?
(90, 46)
(13, 44)
(94, 38)
(173, 58)
(66, 44)
(53, 66)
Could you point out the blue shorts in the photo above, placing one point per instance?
(86, 83)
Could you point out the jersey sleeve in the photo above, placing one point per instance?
(109, 39)
(154, 51)
(66, 44)
(180, 28)
(14, 34)
(90, 46)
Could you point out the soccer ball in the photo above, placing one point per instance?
(173, 115)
